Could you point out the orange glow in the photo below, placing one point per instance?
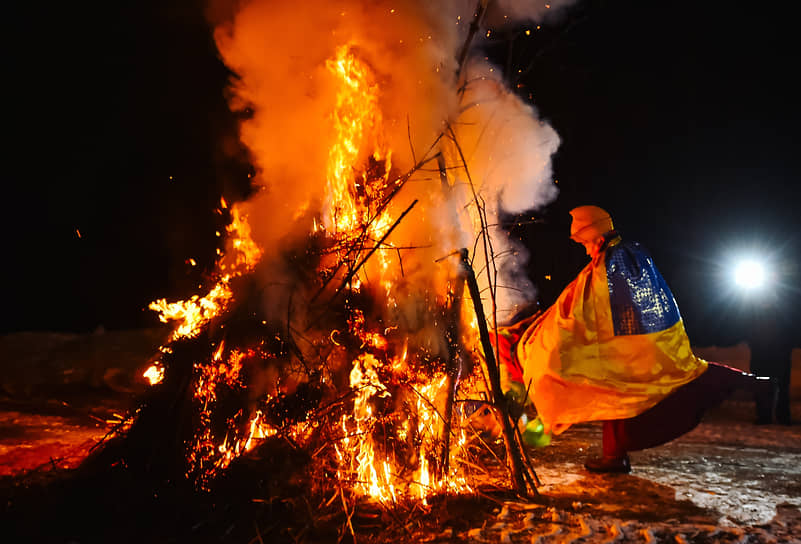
(375, 474)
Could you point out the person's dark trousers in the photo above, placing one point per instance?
(676, 414)
(764, 402)
(782, 387)
(773, 404)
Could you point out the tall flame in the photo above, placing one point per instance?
(357, 206)
(357, 120)
(359, 187)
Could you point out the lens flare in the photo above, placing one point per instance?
(749, 274)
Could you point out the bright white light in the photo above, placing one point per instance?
(749, 274)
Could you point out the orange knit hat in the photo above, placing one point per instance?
(589, 223)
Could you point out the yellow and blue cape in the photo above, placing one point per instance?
(611, 346)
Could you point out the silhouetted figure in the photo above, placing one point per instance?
(771, 341)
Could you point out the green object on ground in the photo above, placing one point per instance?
(534, 434)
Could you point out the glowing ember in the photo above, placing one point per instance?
(154, 374)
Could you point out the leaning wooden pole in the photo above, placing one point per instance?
(514, 456)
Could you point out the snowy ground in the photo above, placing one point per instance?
(726, 481)
(727, 473)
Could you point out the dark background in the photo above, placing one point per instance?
(680, 120)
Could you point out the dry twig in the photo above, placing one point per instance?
(348, 515)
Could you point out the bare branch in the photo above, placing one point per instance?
(478, 16)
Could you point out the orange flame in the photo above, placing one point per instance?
(357, 122)
(356, 205)
(193, 314)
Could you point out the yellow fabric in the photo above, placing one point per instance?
(580, 371)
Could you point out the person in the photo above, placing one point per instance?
(613, 348)
(771, 345)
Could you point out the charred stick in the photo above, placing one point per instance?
(348, 515)
(443, 172)
(481, 8)
(531, 474)
(409, 135)
(356, 268)
(362, 237)
(258, 532)
(526, 456)
(452, 337)
(400, 262)
(513, 453)
(446, 431)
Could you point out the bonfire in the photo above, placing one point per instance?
(347, 347)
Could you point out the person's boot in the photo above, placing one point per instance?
(606, 464)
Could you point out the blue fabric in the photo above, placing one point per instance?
(640, 299)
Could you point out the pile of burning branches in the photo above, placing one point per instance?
(378, 402)
(345, 376)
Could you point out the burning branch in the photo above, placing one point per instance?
(346, 280)
(475, 24)
(358, 244)
(514, 452)
(517, 458)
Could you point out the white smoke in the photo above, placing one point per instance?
(508, 152)
(279, 48)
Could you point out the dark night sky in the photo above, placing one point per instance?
(680, 119)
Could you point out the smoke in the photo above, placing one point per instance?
(508, 154)
(279, 49)
(503, 12)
